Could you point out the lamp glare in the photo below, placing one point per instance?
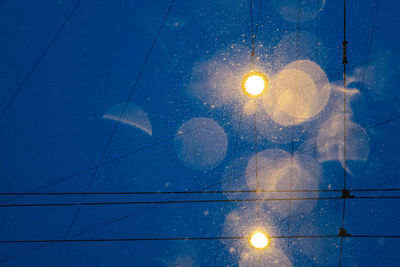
(259, 240)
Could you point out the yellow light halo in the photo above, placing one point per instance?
(259, 240)
(254, 83)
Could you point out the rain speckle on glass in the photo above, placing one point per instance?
(199, 133)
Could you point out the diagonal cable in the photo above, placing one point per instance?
(116, 126)
(39, 60)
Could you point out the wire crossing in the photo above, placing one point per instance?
(294, 108)
(108, 143)
(344, 191)
(346, 194)
(386, 120)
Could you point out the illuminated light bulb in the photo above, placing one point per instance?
(254, 83)
(259, 240)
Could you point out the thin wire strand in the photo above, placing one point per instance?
(256, 152)
(371, 32)
(39, 60)
(258, 20)
(388, 119)
(232, 164)
(292, 130)
(344, 62)
(252, 33)
(235, 147)
(370, 37)
(189, 201)
(141, 149)
(187, 238)
(204, 192)
(107, 222)
(109, 140)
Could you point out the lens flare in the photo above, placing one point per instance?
(254, 84)
(259, 240)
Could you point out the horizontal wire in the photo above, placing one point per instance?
(81, 172)
(189, 238)
(188, 201)
(91, 228)
(388, 119)
(196, 192)
(201, 238)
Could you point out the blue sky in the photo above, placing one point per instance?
(55, 128)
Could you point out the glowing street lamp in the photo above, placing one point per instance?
(254, 83)
(259, 240)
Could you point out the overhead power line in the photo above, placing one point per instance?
(386, 120)
(115, 128)
(187, 238)
(390, 118)
(198, 192)
(91, 228)
(344, 62)
(190, 201)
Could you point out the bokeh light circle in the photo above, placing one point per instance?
(278, 170)
(298, 11)
(271, 257)
(201, 143)
(297, 93)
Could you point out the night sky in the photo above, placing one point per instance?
(146, 96)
